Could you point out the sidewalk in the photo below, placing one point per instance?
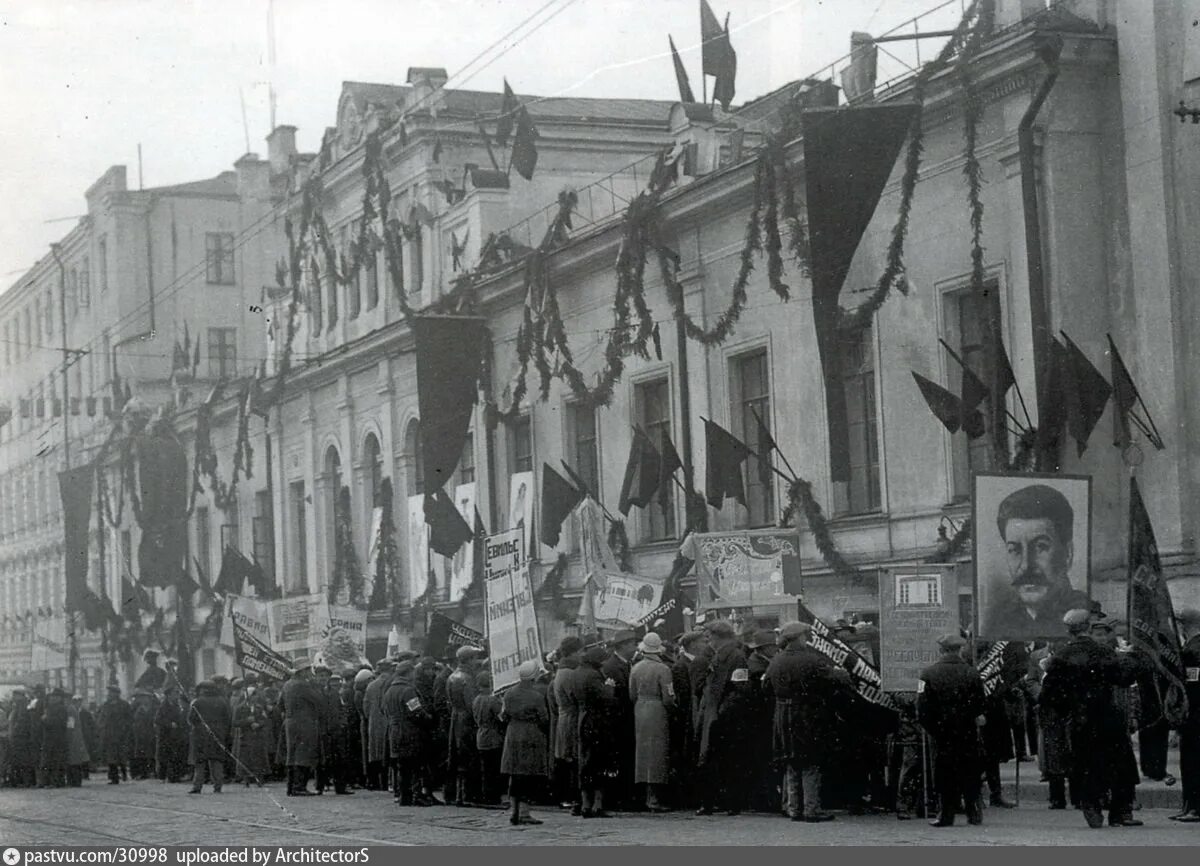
(1152, 795)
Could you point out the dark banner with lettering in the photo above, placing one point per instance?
(863, 675)
(445, 633)
(253, 655)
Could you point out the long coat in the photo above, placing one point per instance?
(724, 705)
(596, 701)
(566, 734)
(525, 739)
(77, 750)
(144, 708)
(303, 706)
(460, 694)
(116, 719)
(23, 751)
(377, 722)
(617, 670)
(805, 685)
(653, 694)
(489, 727)
(949, 700)
(171, 738)
(409, 721)
(54, 734)
(252, 721)
(210, 721)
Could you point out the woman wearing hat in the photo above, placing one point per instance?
(524, 760)
(597, 710)
(653, 694)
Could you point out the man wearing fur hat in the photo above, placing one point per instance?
(153, 678)
(724, 709)
(1189, 731)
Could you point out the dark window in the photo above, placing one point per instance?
(218, 257)
(263, 532)
(466, 466)
(315, 304)
(102, 264)
(966, 319)
(751, 387)
(85, 282)
(654, 415)
(417, 464)
(521, 439)
(583, 446)
(373, 463)
(331, 289)
(231, 532)
(299, 509)
(417, 259)
(862, 493)
(333, 488)
(222, 353)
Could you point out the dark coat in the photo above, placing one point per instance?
(210, 720)
(252, 719)
(489, 727)
(566, 734)
(805, 685)
(1007, 618)
(55, 744)
(377, 721)
(616, 670)
(303, 706)
(20, 731)
(697, 670)
(409, 720)
(144, 709)
(171, 736)
(460, 695)
(725, 705)
(1191, 668)
(950, 698)
(597, 710)
(526, 742)
(116, 721)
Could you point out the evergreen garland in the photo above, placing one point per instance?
(385, 591)
(346, 569)
(801, 499)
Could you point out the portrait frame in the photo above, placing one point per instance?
(992, 593)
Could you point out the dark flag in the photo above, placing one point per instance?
(766, 445)
(641, 473)
(1052, 416)
(578, 481)
(235, 568)
(524, 152)
(487, 142)
(449, 350)
(134, 600)
(448, 529)
(202, 579)
(942, 403)
(445, 633)
(848, 156)
(723, 87)
(681, 76)
(75, 488)
(251, 654)
(717, 56)
(1151, 615)
(558, 500)
(1127, 398)
(973, 393)
(508, 111)
(163, 482)
(725, 455)
(1087, 393)
(668, 466)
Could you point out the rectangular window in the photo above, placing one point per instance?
(966, 316)
(231, 530)
(653, 407)
(218, 258)
(204, 544)
(466, 466)
(521, 444)
(862, 493)
(263, 530)
(331, 289)
(751, 392)
(102, 263)
(583, 448)
(299, 534)
(222, 353)
(49, 309)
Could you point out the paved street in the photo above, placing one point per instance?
(153, 813)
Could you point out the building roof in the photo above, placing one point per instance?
(224, 183)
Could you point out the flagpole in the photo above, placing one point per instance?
(755, 454)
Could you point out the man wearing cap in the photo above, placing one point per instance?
(409, 727)
(1036, 525)
(303, 706)
(1189, 731)
(1079, 682)
(761, 647)
(804, 685)
(116, 719)
(950, 707)
(683, 717)
(210, 721)
(252, 720)
(724, 735)
(377, 726)
(566, 735)
(462, 758)
(616, 670)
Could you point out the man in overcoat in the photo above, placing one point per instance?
(116, 720)
(950, 707)
(463, 758)
(409, 726)
(616, 670)
(566, 721)
(171, 737)
(210, 722)
(303, 706)
(377, 726)
(683, 729)
(804, 684)
(1189, 731)
(724, 717)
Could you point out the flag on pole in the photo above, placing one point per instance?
(524, 152)
(508, 111)
(766, 445)
(641, 473)
(1087, 393)
(681, 76)
(1127, 399)
(669, 465)
(724, 457)
(559, 499)
(717, 55)
(941, 402)
(1151, 614)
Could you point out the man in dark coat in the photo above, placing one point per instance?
(24, 752)
(141, 759)
(950, 707)
(997, 732)
(616, 670)
(804, 685)
(683, 731)
(303, 707)
(352, 725)
(377, 726)
(116, 720)
(566, 724)
(53, 758)
(337, 740)
(87, 722)
(724, 732)
(462, 762)
(1189, 731)
(1079, 681)
(596, 700)
(764, 794)
(153, 678)
(409, 728)
(441, 728)
(210, 723)
(171, 738)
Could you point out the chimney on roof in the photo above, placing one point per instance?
(281, 148)
(253, 177)
(112, 181)
(425, 82)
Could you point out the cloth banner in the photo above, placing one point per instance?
(251, 614)
(512, 626)
(651, 620)
(991, 666)
(916, 606)
(251, 654)
(746, 568)
(864, 678)
(459, 568)
(624, 599)
(848, 156)
(520, 506)
(297, 623)
(587, 526)
(343, 637)
(163, 484)
(49, 643)
(75, 488)
(449, 351)
(445, 632)
(418, 547)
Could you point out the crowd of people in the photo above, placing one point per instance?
(715, 720)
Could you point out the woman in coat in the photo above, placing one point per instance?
(489, 736)
(653, 693)
(597, 704)
(252, 726)
(525, 741)
(77, 750)
(171, 738)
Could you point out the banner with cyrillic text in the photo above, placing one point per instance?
(917, 605)
(512, 627)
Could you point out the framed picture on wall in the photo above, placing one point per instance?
(1032, 553)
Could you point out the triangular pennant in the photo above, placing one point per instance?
(1087, 394)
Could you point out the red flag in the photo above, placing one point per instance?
(725, 454)
(1086, 392)
(524, 152)
(942, 403)
(641, 473)
(717, 55)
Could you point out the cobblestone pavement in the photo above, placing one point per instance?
(158, 814)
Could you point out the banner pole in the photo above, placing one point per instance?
(924, 775)
(1017, 795)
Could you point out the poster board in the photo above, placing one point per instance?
(252, 615)
(343, 637)
(297, 623)
(512, 626)
(917, 605)
(623, 599)
(520, 506)
(746, 568)
(1032, 553)
(49, 643)
(418, 547)
(461, 565)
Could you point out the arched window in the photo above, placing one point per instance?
(412, 454)
(333, 486)
(372, 470)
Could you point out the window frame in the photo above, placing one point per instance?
(844, 502)
(592, 476)
(226, 356)
(649, 530)
(218, 257)
(762, 502)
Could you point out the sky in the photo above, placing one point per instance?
(82, 84)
